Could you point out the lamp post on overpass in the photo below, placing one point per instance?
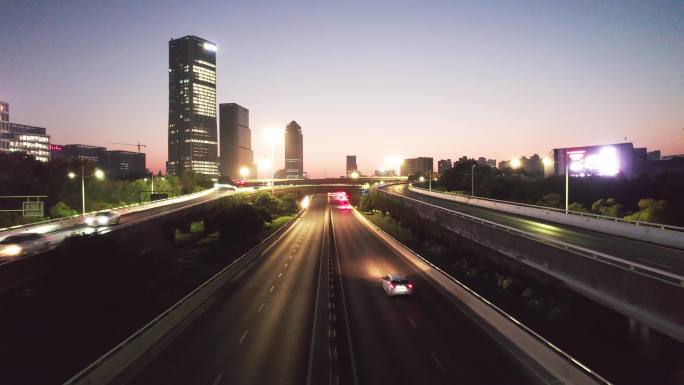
(547, 162)
(99, 174)
(472, 180)
(272, 135)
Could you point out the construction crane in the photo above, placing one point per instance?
(139, 145)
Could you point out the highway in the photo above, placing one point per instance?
(425, 339)
(259, 330)
(270, 326)
(655, 256)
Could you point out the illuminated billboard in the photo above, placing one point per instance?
(594, 161)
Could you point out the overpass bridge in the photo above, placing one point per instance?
(640, 279)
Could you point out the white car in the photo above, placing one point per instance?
(18, 245)
(395, 284)
(103, 218)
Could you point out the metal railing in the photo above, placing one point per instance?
(621, 263)
(577, 213)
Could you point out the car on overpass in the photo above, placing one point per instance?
(17, 245)
(396, 284)
(104, 218)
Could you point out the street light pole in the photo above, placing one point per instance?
(430, 181)
(83, 186)
(567, 180)
(273, 167)
(472, 180)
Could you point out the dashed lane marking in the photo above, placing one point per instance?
(411, 322)
(260, 307)
(243, 336)
(218, 379)
(280, 275)
(439, 364)
(272, 287)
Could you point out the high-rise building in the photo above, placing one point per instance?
(294, 151)
(93, 154)
(125, 164)
(421, 165)
(351, 165)
(236, 141)
(28, 139)
(4, 126)
(192, 107)
(443, 165)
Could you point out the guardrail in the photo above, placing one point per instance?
(78, 218)
(563, 367)
(631, 266)
(672, 236)
(120, 360)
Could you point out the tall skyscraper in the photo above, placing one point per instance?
(351, 165)
(294, 151)
(236, 141)
(192, 107)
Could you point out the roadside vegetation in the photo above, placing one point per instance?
(23, 175)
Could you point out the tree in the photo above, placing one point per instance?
(550, 200)
(651, 210)
(608, 207)
(577, 207)
(61, 210)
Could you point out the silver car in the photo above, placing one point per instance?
(18, 245)
(395, 284)
(103, 218)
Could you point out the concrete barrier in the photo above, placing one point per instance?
(665, 235)
(559, 365)
(120, 362)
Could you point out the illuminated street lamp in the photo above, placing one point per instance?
(393, 163)
(272, 135)
(355, 175)
(515, 163)
(244, 171)
(99, 174)
(265, 164)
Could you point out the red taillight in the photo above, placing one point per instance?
(410, 285)
(391, 286)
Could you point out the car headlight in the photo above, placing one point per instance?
(103, 220)
(89, 221)
(11, 250)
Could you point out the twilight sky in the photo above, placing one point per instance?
(371, 78)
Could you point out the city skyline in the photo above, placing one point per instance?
(547, 77)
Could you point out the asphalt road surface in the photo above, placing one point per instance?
(261, 330)
(658, 257)
(423, 339)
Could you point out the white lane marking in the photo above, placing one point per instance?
(218, 379)
(280, 275)
(243, 336)
(290, 257)
(439, 364)
(260, 307)
(272, 287)
(287, 263)
(411, 322)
